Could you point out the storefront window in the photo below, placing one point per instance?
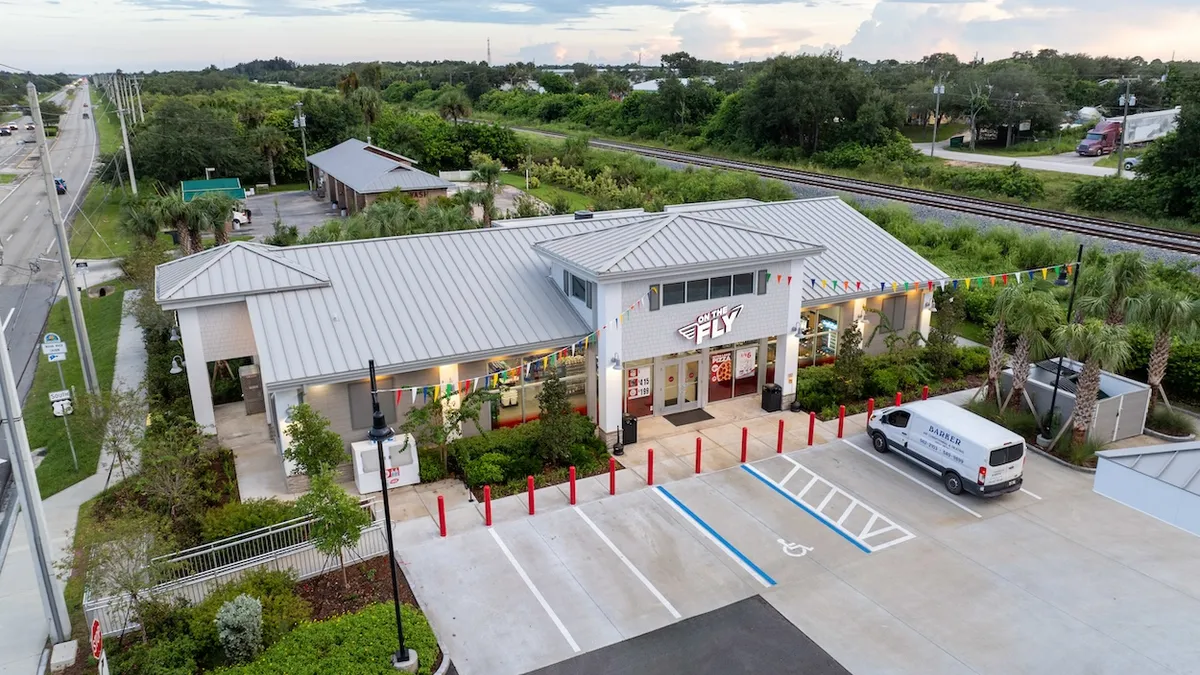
(519, 389)
(770, 360)
(639, 388)
(822, 330)
(674, 294)
(507, 411)
(720, 376)
(745, 368)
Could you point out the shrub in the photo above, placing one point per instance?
(282, 610)
(815, 387)
(314, 446)
(1171, 422)
(486, 469)
(239, 627)
(884, 382)
(357, 643)
(1115, 194)
(431, 466)
(176, 656)
(238, 517)
(973, 360)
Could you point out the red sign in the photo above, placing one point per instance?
(97, 639)
(393, 475)
(722, 367)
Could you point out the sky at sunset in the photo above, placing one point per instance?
(100, 35)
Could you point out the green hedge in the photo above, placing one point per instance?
(354, 644)
(238, 517)
(511, 454)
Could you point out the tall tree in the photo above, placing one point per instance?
(1098, 346)
(368, 102)
(171, 211)
(454, 105)
(1031, 312)
(1167, 314)
(1106, 293)
(486, 171)
(270, 142)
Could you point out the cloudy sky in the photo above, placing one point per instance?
(101, 35)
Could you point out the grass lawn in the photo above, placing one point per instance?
(974, 332)
(287, 187)
(548, 193)
(1060, 143)
(107, 124)
(95, 233)
(103, 317)
(7, 178)
(1110, 160)
(918, 134)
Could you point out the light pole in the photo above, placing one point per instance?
(1062, 281)
(300, 122)
(1127, 99)
(380, 432)
(938, 90)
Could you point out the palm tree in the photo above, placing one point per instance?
(270, 143)
(170, 209)
(251, 113)
(139, 221)
(1106, 294)
(1165, 313)
(210, 212)
(1030, 312)
(370, 104)
(453, 104)
(348, 84)
(1098, 346)
(486, 170)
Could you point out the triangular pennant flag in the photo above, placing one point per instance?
(654, 289)
(894, 286)
(789, 280)
(931, 285)
(812, 282)
(955, 284)
(399, 393)
(992, 279)
(968, 284)
(1043, 272)
(779, 278)
(906, 286)
(858, 285)
(414, 395)
(847, 285)
(822, 283)
(881, 285)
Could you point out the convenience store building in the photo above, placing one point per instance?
(640, 313)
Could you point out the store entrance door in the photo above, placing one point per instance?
(681, 384)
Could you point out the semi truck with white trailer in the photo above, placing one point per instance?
(1142, 128)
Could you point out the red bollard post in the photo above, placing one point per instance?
(531, 495)
(898, 398)
(745, 433)
(650, 466)
(841, 419)
(870, 407)
(612, 475)
(925, 393)
(487, 505)
(812, 426)
(779, 440)
(697, 454)
(442, 514)
(572, 486)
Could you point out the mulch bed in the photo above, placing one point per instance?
(370, 583)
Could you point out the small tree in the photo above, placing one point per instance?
(849, 370)
(1032, 311)
(239, 627)
(437, 422)
(127, 561)
(1107, 294)
(555, 433)
(314, 448)
(339, 518)
(1166, 314)
(171, 464)
(454, 105)
(941, 347)
(487, 171)
(118, 418)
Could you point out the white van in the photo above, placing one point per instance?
(969, 452)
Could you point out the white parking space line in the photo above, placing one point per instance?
(914, 479)
(536, 593)
(629, 564)
(1031, 494)
(49, 246)
(9, 237)
(8, 318)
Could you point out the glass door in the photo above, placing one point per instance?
(681, 384)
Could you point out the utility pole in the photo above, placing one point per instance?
(938, 90)
(53, 604)
(1011, 102)
(1127, 99)
(91, 382)
(138, 87)
(300, 122)
(128, 154)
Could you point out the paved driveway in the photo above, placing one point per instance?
(298, 209)
(870, 559)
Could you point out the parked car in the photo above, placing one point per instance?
(238, 218)
(5, 132)
(953, 443)
(29, 127)
(1132, 163)
(60, 186)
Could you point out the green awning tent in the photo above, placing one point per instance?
(194, 188)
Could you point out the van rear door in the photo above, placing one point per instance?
(1005, 464)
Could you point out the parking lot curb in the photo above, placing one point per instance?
(445, 667)
(1052, 458)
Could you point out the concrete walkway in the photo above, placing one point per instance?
(21, 615)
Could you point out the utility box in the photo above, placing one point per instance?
(252, 391)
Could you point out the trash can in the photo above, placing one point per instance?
(956, 141)
(628, 429)
(772, 398)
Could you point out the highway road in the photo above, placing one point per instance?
(30, 274)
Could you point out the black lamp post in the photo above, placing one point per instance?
(1062, 281)
(379, 433)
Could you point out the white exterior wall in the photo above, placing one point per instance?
(610, 381)
(1151, 496)
(912, 320)
(226, 332)
(192, 332)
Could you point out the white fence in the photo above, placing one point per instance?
(301, 558)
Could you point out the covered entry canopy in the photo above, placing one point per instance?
(194, 188)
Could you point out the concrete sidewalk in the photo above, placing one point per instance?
(21, 615)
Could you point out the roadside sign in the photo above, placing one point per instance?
(64, 395)
(97, 639)
(54, 348)
(55, 358)
(81, 266)
(51, 337)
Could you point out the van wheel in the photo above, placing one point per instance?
(953, 483)
(879, 442)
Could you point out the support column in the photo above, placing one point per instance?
(197, 369)
(925, 315)
(610, 381)
(787, 345)
(284, 400)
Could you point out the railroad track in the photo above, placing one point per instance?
(1171, 240)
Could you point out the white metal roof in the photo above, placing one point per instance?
(1176, 464)
(368, 169)
(669, 242)
(236, 269)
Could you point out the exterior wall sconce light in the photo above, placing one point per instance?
(175, 334)
(616, 362)
(177, 365)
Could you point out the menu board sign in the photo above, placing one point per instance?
(722, 367)
(637, 382)
(747, 362)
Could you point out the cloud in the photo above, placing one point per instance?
(546, 52)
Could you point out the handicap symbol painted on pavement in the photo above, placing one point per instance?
(794, 550)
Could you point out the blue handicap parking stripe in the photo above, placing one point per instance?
(722, 540)
(861, 546)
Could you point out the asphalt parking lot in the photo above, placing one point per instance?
(297, 208)
(860, 552)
